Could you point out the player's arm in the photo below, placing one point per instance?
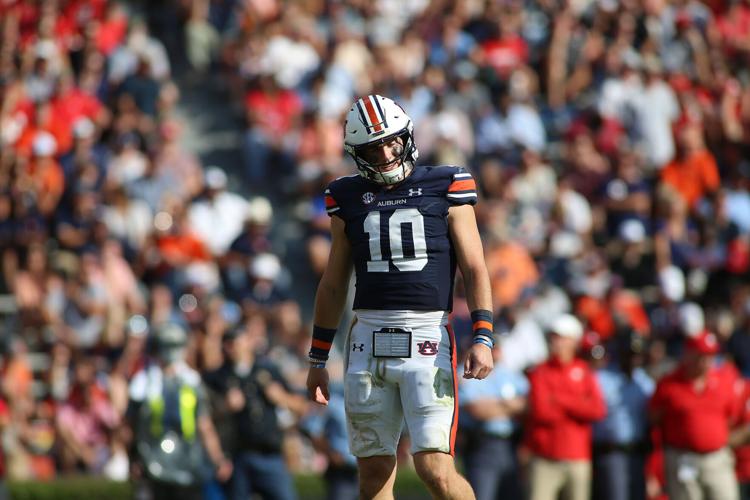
(330, 300)
(462, 224)
(333, 288)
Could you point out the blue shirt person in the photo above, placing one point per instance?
(487, 419)
(621, 438)
(326, 426)
(626, 398)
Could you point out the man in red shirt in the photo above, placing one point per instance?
(694, 407)
(739, 439)
(564, 401)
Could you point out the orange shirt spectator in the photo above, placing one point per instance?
(18, 377)
(622, 306)
(512, 270)
(47, 176)
(693, 173)
(46, 120)
(182, 248)
(693, 177)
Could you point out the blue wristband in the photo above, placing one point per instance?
(485, 340)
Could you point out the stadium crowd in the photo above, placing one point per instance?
(610, 144)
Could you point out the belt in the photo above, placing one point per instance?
(601, 448)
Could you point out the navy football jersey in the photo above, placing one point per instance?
(402, 251)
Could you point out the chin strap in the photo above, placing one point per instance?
(406, 169)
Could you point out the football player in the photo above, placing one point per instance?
(403, 229)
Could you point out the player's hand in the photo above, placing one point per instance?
(317, 385)
(479, 362)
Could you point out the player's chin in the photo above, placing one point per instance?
(389, 168)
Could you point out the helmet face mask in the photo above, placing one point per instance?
(374, 125)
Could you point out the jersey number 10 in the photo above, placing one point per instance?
(399, 217)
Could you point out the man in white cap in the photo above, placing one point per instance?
(564, 401)
(216, 218)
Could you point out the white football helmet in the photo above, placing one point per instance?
(371, 122)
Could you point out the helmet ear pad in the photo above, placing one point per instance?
(376, 120)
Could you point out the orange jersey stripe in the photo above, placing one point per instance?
(319, 344)
(377, 126)
(454, 424)
(482, 324)
(463, 185)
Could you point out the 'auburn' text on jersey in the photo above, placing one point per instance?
(402, 251)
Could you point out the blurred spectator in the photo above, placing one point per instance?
(253, 240)
(621, 439)
(182, 167)
(272, 113)
(46, 180)
(130, 220)
(173, 427)
(523, 342)
(490, 411)
(694, 407)
(634, 260)
(739, 439)
(327, 428)
(142, 87)
(4, 421)
(564, 400)
(512, 271)
(85, 422)
(254, 391)
(76, 226)
(214, 219)
(201, 36)
(628, 194)
(693, 173)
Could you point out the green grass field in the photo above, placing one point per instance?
(309, 487)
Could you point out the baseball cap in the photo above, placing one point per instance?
(216, 178)
(259, 211)
(83, 128)
(672, 283)
(567, 325)
(691, 317)
(705, 343)
(632, 231)
(44, 144)
(265, 266)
